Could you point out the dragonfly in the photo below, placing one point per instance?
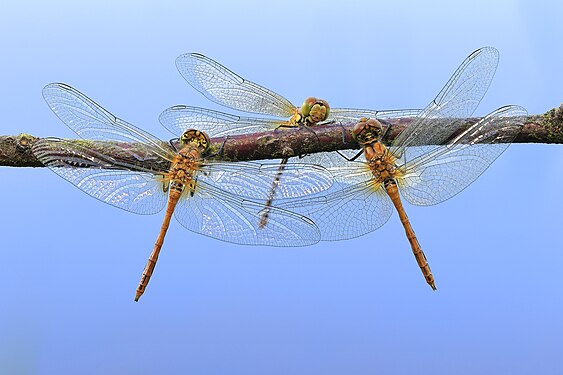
(139, 173)
(222, 86)
(429, 162)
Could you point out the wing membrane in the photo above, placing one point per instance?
(222, 86)
(457, 100)
(179, 118)
(348, 211)
(227, 217)
(342, 170)
(254, 180)
(439, 175)
(354, 115)
(90, 121)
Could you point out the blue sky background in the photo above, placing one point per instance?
(70, 264)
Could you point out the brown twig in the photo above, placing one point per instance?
(15, 151)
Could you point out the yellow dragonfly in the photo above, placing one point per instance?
(432, 160)
(222, 86)
(137, 172)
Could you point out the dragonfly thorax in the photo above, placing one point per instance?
(297, 119)
(381, 162)
(184, 165)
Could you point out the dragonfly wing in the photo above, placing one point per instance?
(457, 100)
(354, 115)
(349, 211)
(180, 118)
(439, 175)
(216, 213)
(222, 86)
(254, 180)
(341, 169)
(97, 175)
(90, 121)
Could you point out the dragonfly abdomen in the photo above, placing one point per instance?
(176, 189)
(393, 192)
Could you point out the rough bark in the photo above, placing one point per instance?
(15, 151)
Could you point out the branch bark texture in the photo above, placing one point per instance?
(15, 151)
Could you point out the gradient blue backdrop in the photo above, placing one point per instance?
(70, 264)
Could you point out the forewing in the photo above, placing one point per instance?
(216, 213)
(348, 211)
(254, 180)
(353, 115)
(96, 174)
(90, 121)
(457, 100)
(219, 84)
(439, 175)
(180, 118)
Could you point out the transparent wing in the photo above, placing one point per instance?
(180, 118)
(254, 180)
(227, 217)
(354, 115)
(348, 211)
(222, 86)
(99, 176)
(90, 121)
(457, 100)
(439, 175)
(342, 170)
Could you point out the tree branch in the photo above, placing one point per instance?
(15, 151)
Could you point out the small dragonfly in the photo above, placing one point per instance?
(222, 86)
(213, 198)
(432, 160)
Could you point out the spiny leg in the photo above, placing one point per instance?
(353, 158)
(173, 143)
(221, 149)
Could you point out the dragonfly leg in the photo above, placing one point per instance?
(220, 150)
(173, 142)
(343, 132)
(384, 136)
(353, 158)
(308, 128)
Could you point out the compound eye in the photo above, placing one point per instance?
(320, 111)
(359, 129)
(367, 131)
(195, 137)
(375, 127)
(315, 110)
(307, 105)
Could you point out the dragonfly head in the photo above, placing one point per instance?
(315, 110)
(367, 131)
(196, 138)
